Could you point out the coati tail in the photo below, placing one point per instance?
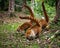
(31, 12)
(45, 13)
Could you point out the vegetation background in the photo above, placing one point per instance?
(10, 38)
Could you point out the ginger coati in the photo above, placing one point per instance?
(34, 31)
(26, 24)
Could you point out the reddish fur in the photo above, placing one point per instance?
(43, 22)
(37, 28)
(30, 10)
(26, 24)
(32, 19)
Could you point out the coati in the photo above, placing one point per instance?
(34, 31)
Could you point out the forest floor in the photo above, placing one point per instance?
(10, 38)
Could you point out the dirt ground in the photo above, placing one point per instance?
(4, 17)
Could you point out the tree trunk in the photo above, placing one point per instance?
(56, 18)
(11, 6)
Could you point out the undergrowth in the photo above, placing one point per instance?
(10, 38)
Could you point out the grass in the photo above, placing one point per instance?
(9, 27)
(10, 38)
